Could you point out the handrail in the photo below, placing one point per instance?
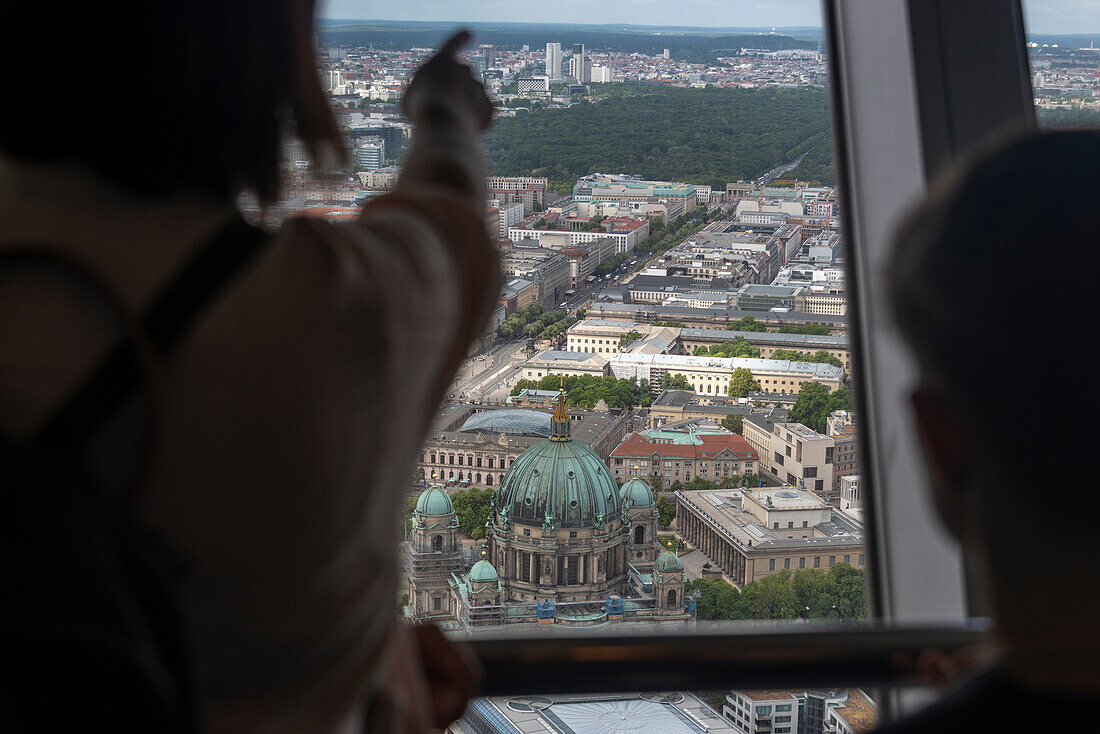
(805, 655)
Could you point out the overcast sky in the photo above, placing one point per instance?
(1043, 16)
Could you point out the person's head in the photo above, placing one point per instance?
(163, 97)
(990, 287)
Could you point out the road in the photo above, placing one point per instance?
(487, 378)
(778, 171)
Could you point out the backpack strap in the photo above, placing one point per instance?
(89, 623)
(165, 321)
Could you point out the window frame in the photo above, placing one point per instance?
(895, 124)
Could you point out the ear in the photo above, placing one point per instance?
(947, 446)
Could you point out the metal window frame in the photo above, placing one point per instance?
(896, 123)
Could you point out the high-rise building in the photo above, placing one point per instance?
(553, 60)
(332, 79)
(579, 65)
(487, 52)
(601, 74)
(370, 154)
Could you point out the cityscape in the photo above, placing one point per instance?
(655, 432)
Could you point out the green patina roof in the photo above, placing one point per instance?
(483, 572)
(668, 562)
(434, 502)
(636, 493)
(561, 478)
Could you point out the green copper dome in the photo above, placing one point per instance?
(434, 502)
(636, 493)
(559, 481)
(483, 572)
(668, 562)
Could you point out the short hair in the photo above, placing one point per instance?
(982, 282)
(164, 97)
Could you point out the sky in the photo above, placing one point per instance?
(1041, 16)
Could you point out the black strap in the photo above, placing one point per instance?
(165, 321)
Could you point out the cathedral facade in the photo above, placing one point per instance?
(565, 545)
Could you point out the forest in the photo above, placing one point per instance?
(701, 136)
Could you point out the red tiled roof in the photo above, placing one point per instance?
(637, 444)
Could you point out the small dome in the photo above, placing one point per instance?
(483, 572)
(636, 493)
(434, 502)
(668, 562)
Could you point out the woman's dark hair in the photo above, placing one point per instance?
(164, 96)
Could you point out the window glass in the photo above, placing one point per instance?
(1063, 44)
(667, 215)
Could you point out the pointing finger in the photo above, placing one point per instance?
(454, 44)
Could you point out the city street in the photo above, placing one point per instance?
(488, 378)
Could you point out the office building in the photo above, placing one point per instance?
(370, 154)
(710, 454)
(711, 375)
(553, 61)
(801, 457)
(528, 84)
(797, 711)
(579, 65)
(555, 362)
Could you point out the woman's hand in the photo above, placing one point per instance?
(445, 89)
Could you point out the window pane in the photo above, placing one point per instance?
(668, 224)
(1063, 39)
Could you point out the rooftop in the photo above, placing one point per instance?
(671, 713)
(672, 361)
(765, 337)
(702, 446)
(722, 508)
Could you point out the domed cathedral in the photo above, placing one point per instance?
(565, 545)
(432, 553)
(557, 531)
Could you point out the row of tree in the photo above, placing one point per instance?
(535, 323)
(584, 391)
(739, 347)
(794, 355)
(806, 593)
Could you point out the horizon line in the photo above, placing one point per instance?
(776, 28)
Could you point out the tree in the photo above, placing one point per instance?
(407, 513)
(666, 512)
(472, 510)
(717, 599)
(815, 403)
(628, 337)
(742, 383)
(733, 423)
(524, 384)
(675, 382)
(656, 483)
(699, 485)
(747, 323)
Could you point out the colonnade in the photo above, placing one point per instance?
(702, 534)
